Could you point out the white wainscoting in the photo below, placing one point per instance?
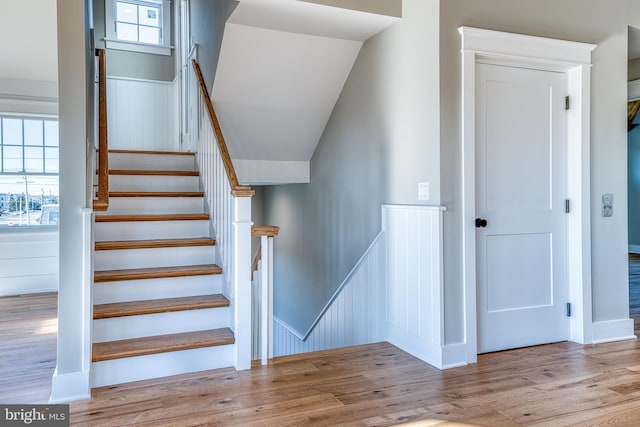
(28, 262)
(143, 115)
(351, 317)
(413, 316)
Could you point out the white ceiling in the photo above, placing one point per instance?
(634, 42)
(282, 67)
(28, 40)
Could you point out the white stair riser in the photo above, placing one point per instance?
(155, 205)
(122, 328)
(170, 162)
(171, 287)
(149, 230)
(153, 183)
(160, 365)
(150, 258)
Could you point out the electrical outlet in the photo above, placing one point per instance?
(607, 205)
(423, 191)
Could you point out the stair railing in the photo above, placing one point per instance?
(262, 294)
(101, 202)
(229, 205)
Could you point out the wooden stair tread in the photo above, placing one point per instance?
(161, 344)
(178, 153)
(135, 308)
(151, 217)
(152, 244)
(152, 172)
(156, 194)
(155, 273)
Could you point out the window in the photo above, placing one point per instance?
(142, 26)
(28, 172)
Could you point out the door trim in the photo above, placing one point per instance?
(543, 54)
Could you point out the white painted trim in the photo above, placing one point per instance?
(272, 172)
(634, 249)
(633, 90)
(131, 79)
(537, 49)
(454, 356)
(138, 47)
(346, 280)
(613, 330)
(69, 387)
(547, 54)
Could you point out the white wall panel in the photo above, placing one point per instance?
(28, 262)
(414, 296)
(350, 318)
(142, 115)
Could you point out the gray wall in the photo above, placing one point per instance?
(135, 65)
(207, 28)
(634, 69)
(381, 140)
(590, 21)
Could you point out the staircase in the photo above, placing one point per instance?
(158, 304)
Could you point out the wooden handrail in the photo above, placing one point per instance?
(256, 259)
(102, 202)
(265, 230)
(236, 189)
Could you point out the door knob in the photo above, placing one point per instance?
(481, 223)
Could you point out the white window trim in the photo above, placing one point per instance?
(164, 48)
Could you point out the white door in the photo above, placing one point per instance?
(520, 193)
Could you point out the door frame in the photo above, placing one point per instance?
(574, 59)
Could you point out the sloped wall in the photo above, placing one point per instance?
(380, 142)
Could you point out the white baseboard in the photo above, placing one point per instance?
(634, 249)
(613, 330)
(416, 346)
(454, 356)
(70, 387)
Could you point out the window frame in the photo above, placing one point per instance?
(26, 117)
(163, 48)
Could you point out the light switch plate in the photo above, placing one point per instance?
(607, 205)
(423, 191)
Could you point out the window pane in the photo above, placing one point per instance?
(51, 133)
(126, 12)
(42, 197)
(12, 131)
(127, 32)
(149, 16)
(149, 35)
(33, 132)
(51, 160)
(33, 159)
(12, 159)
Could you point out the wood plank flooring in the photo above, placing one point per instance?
(28, 330)
(562, 384)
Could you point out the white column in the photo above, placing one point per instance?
(242, 280)
(71, 378)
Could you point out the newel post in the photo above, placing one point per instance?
(242, 280)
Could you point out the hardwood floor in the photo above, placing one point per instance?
(28, 330)
(554, 385)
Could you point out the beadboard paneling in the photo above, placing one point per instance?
(142, 115)
(351, 316)
(28, 262)
(413, 313)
